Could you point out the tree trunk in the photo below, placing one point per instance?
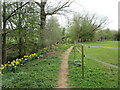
(0, 32)
(42, 15)
(4, 34)
(20, 31)
(42, 22)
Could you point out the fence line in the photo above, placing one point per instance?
(82, 52)
(79, 50)
(100, 47)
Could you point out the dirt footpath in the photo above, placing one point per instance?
(62, 79)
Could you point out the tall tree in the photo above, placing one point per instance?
(42, 14)
(20, 29)
(4, 34)
(106, 34)
(24, 31)
(47, 9)
(0, 32)
(52, 31)
(5, 19)
(84, 27)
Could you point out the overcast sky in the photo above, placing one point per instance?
(103, 8)
(107, 8)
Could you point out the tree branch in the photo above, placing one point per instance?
(13, 13)
(38, 4)
(59, 8)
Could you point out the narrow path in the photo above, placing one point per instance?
(104, 47)
(62, 79)
(114, 66)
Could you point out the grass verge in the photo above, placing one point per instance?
(36, 73)
(97, 75)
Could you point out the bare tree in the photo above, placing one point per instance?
(84, 26)
(46, 8)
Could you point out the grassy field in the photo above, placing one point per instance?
(103, 43)
(97, 75)
(103, 54)
(107, 55)
(36, 73)
(43, 72)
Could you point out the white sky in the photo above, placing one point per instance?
(107, 8)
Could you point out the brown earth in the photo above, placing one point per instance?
(62, 79)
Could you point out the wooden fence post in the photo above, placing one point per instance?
(74, 50)
(82, 62)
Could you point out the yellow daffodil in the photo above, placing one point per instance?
(25, 56)
(5, 65)
(26, 59)
(12, 63)
(20, 59)
(17, 62)
(9, 65)
(17, 59)
(2, 65)
(34, 54)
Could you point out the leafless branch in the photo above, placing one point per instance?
(56, 9)
(38, 4)
(14, 12)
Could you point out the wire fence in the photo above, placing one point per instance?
(81, 51)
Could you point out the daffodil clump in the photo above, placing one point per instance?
(12, 66)
(43, 51)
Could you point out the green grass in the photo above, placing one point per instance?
(103, 43)
(37, 73)
(103, 54)
(107, 55)
(44, 73)
(97, 75)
